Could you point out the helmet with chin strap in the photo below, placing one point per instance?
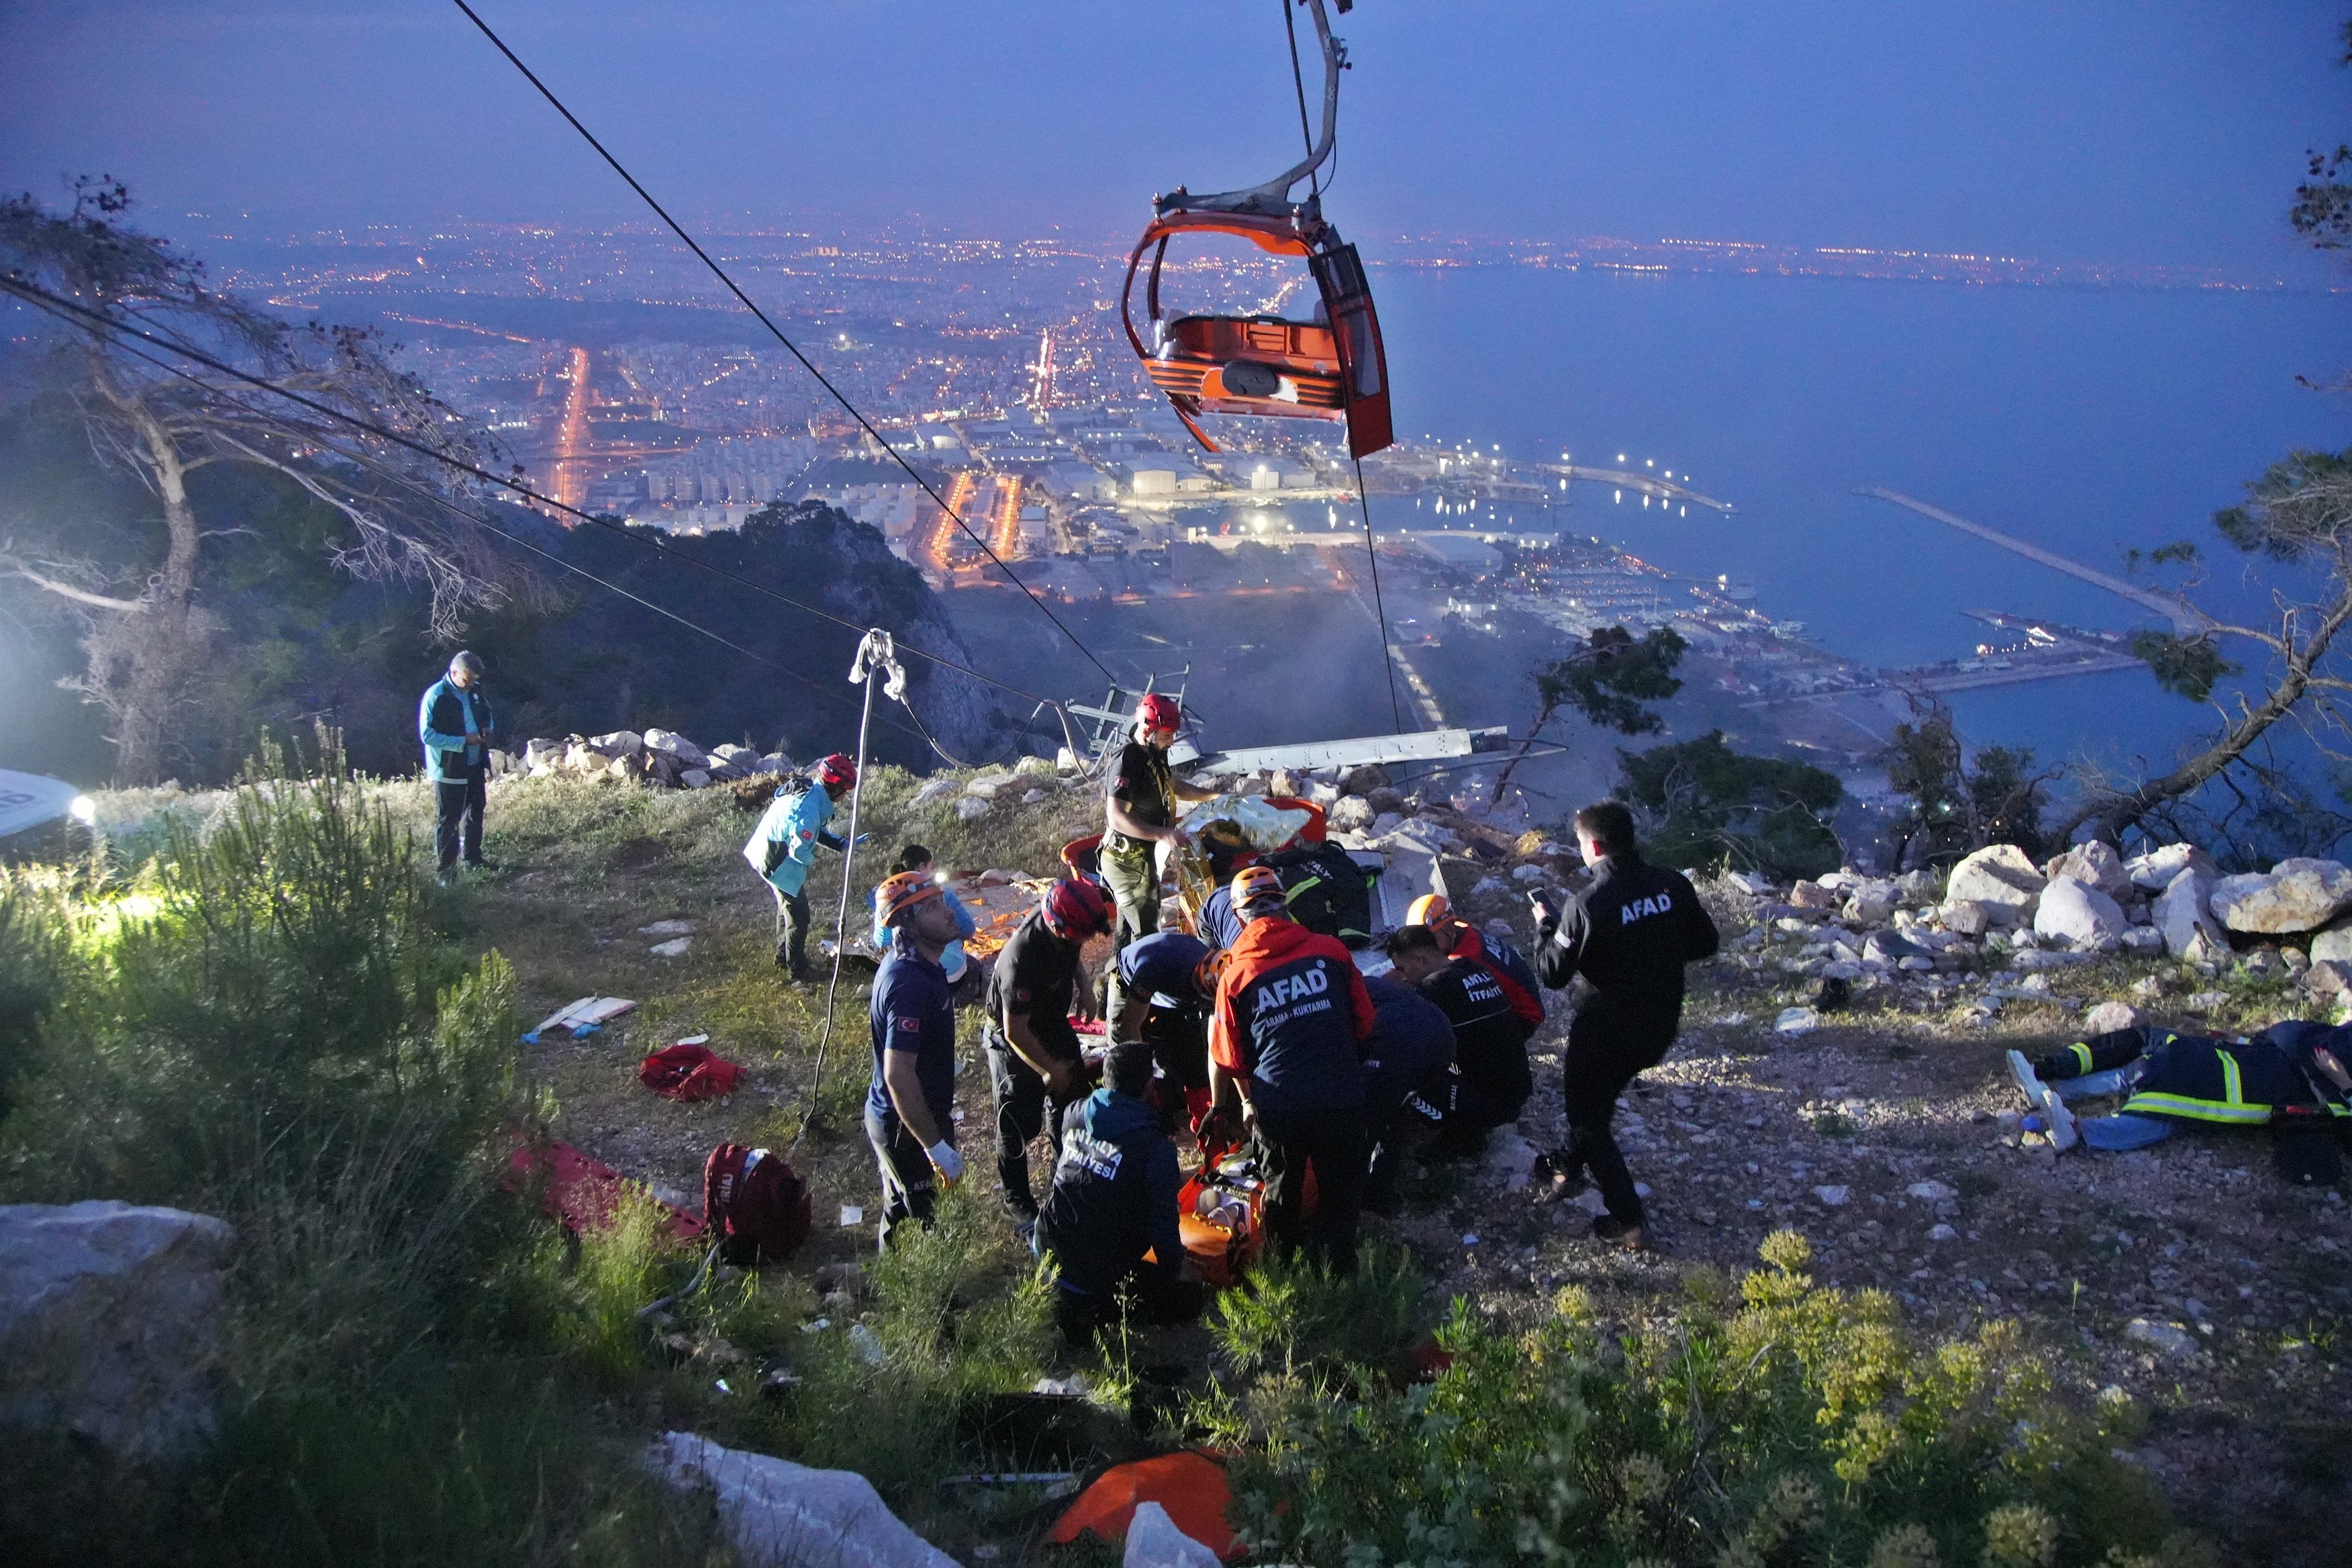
(1076, 909)
(1158, 711)
(837, 770)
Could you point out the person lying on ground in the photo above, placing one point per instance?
(910, 1100)
(1112, 1203)
(1492, 1079)
(2292, 1076)
(1630, 934)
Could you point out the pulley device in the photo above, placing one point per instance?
(1329, 367)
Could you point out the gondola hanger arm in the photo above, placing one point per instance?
(1273, 196)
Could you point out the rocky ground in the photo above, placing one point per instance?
(2187, 1276)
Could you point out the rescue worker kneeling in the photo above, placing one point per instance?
(1287, 1035)
(1113, 1200)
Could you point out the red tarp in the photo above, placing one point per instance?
(582, 1190)
(688, 1072)
(1190, 1486)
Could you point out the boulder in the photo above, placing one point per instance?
(1364, 780)
(1870, 901)
(936, 788)
(2293, 896)
(2000, 877)
(2080, 913)
(542, 753)
(972, 807)
(2155, 869)
(619, 743)
(1286, 783)
(2328, 977)
(673, 744)
(1920, 887)
(2108, 1017)
(694, 778)
(1965, 917)
(2181, 913)
(2335, 943)
(1035, 766)
(778, 1514)
(2095, 865)
(109, 1323)
(987, 785)
(776, 762)
(1750, 883)
(1809, 895)
(1349, 814)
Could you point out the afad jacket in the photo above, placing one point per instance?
(441, 724)
(1291, 1014)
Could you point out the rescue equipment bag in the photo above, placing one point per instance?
(754, 1207)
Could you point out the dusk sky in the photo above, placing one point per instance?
(2159, 132)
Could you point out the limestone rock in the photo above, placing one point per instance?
(778, 1514)
(2080, 913)
(2293, 896)
(2328, 977)
(1039, 766)
(2095, 865)
(2335, 943)
(1384, 801)
(1807, 895)
(677, 745)
(2001, 878)
(971, 808)
(1364, 780)
(2155, 869)
(936, 788)
(1920, 887)
(619, 743)
(2108, 1017)
(694, 778)
(1965, 917)
(2179, 913)
(1349, 814)
(109, 1323)
(1871, 900)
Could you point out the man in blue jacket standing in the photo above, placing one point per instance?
(1114, 1197)
(782, 849)
(454, 721)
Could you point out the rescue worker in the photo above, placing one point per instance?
(909, 1103)
(1113, 1200)
(1492, 1079)
(1460, 939)
(455, 722)
(782, 849)
(1292, 1015)
(1408, 1081)
(953, 960)
(1140, 817)
(1629, 933)
(1035, 1062)
(1169, 983)
(2290, 1073)
(1217, 924)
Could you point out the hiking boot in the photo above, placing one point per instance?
(1023, 1211)
(478, 864)
(1617, 1232)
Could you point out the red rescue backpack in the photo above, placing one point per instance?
(754, 1207)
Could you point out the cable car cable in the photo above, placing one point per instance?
(33, 294)
(1299, 81)
(806, 364)
(1371, 550)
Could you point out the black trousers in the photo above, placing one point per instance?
(1608, 1047)
(792, 932)
(907, 1191)
(1332, 1143)
(1149, 1292)
(1024, 1107)
(458, 817)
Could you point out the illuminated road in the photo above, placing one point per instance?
(571, 436)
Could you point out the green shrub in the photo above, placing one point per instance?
(1800, 1425)
(1294, 1315)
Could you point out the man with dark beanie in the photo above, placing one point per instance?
(1630, 934)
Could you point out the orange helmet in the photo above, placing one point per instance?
(1210, 970)
(1430, 910)
(1255, 885)
(902, 892)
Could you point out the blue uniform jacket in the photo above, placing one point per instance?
(1115, 1191)
(443, 716)
(783, 847)
(911, 1011)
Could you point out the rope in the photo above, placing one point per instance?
(874, 652)
(806, 364)
(34, 295)
(1371, 550)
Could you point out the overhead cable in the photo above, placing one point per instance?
(794, 348)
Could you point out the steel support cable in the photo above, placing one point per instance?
(794, 348)
(1299, 81)
(519, 541)
(35, 295)
(1379, 609)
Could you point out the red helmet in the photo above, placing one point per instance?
(836, 772)
(1076, 909)
(1158, 711)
